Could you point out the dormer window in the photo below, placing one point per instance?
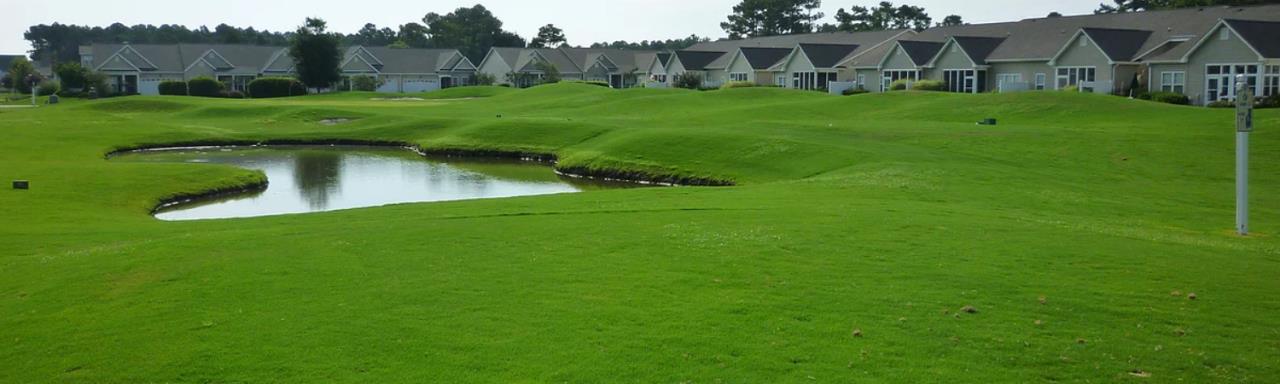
(1224, 34)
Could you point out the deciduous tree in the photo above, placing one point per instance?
(471, 30)
(316, 55)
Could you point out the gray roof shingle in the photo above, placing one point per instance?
(827, 55)
(920, 52)
(763, 58)
(1264, 36)
(698, 60)
(978, 48)
(1119, 44)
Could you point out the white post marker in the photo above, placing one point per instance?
(1244, 125)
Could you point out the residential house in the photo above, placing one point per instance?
(1193, 51)
(807, 58)
(140, 68)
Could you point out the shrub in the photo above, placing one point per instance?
(96, 83)
(48, 88)
(595, 83)
(899, 85)
(738, 84)
(1272, 101)
(1169, 98)
(204, 87)
(688, 80)
(928, 85)
(71, 74)
(1070, 88)
(269, 87)
(1222, 104)
(233, 94)
(365, 83)
(484, 79)
(855, 91)
(173, 88)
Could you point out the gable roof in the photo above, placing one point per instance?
(1263, 36)
(978, 48)
(920, 52)
(871, 44)
(664, 58)
(697, 60)
(763, 58)
(826, 55)
(236, 59)
(1118, 44)
(1041, 39)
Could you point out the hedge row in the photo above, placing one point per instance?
(268, 87)
(173, 88)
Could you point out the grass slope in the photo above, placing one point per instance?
(859, 228)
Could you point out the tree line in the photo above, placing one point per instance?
(473, 30)
(1122, 6)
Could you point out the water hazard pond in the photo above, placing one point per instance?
(319, 179)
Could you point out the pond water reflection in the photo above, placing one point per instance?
(318, 179)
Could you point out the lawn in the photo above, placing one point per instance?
(856, 231)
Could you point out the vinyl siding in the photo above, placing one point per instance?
(1028, 70)
(1215, 51)
(1088, 55)
(898, 60)
(740, 65)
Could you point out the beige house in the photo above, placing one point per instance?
(1193, 51)
(141, 68)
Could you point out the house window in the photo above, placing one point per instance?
(1220, 80)
(812, 80)
(1271, 83)
(1175, 82)
(1080, 77)
(1041, 81)
(959, 80)
(781, 81)
(1010, 82)
(738, 77)
(1224, 34)
(862, 81)
(888, 77)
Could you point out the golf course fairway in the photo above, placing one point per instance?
(871, 238)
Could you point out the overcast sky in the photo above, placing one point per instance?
(584, 22)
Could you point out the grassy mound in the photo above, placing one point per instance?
(883, 237)
(466, 92)
(138, 104)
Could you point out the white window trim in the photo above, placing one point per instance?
(1258, 88)
(1042, 82)
(1056, 77)
(968, 75)
(1172, 82)
(739, 76)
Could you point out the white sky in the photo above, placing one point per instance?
(584, 22)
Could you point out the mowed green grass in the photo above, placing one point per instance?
(858, 229)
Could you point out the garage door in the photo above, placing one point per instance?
(149, 86)
(415, 86)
